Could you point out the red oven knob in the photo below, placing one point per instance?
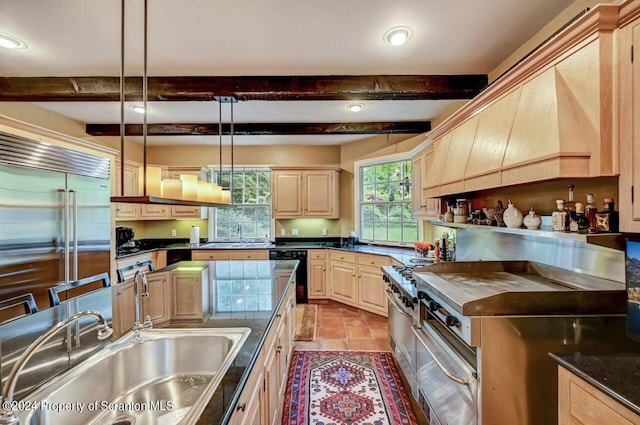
(450, 320)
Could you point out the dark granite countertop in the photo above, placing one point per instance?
(255, 284)
(403, 255)
(615, 374)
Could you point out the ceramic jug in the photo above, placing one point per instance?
(532, 220)
(512, 216)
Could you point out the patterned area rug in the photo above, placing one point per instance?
(306, 315)
(345, 387)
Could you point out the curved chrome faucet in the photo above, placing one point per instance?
(140, 277)
(8, 417)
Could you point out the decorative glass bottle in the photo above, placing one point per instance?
(579, 223)
(607, 219)
(570, 205)
(559, 218)
(590, 211)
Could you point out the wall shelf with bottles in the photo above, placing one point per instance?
(608, 240)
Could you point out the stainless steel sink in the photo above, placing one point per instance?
(225, 245)
(166, 379)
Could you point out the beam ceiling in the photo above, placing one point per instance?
(247, 88)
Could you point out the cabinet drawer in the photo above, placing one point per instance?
(249, 254)
(373, 260)
(316, 254)
(347, 257)
(203, 255)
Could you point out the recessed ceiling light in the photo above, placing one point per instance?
(397, 36)
(355, 107)
(137, 108)
(10, 42)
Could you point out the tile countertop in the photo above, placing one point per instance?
(615, 374)
(259, 275)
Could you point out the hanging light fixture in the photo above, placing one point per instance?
(186, 190)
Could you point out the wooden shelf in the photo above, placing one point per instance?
(609, 240)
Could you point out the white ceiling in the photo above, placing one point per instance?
(265, 37)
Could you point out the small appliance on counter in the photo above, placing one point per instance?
(125, 242)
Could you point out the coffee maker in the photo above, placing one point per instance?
(124, 240)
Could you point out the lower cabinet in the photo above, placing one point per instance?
(124, 304)
(261, 401)
(158, 304)
(317, 273)
(189, 296)
(580, 403)
(356, 280)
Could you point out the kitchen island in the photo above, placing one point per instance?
(254, 294)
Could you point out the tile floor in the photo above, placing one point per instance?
(340, 327)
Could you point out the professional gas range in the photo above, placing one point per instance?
(475, 335)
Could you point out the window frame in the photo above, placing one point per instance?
(357, 190)
(212, 215)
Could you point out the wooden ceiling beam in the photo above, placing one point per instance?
(273, 88)
(262, 129)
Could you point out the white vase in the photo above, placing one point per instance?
(532, 220)
(512, 216)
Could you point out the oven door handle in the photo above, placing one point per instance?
(395, 305)
(437, 362)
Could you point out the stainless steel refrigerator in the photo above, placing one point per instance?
(55, 217)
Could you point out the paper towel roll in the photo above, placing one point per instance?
(194, 235)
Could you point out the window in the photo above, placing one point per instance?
(385, 203)
(250, 206)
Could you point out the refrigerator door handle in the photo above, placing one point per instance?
(65, 232)
(74, 196)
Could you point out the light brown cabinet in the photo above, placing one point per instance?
(152, 211)
(580, 403)
(423, 206)
(261, 401)
(189, 295)
(356, 280)
(317, 273)
(124, 314)
(629, 130)
(249, 254)
(127, 211)
(158, 305)
(305, 193)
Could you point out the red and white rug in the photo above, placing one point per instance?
(345, 387)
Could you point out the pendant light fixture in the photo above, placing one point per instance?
(152, 188)
(226, 193)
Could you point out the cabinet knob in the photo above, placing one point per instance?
(278, 315)
(279, 349)
(240, 407)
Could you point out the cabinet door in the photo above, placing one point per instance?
(249, 254)
(319, 193)
(186, 297)
(158, 304)
(317, 278)
(286, 193)
(273, 403)
(127, 211)
(629, 131)
(581, 403)
(343, 282)
(209, 255)
(250, 406)
(371, 295)
(125, 309)
(156, 212)
(418, 206)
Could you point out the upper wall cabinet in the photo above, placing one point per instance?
(305, 192)
(628, 41)
(549, 117)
